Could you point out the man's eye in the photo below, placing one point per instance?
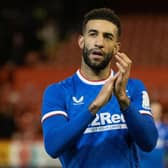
(109, 37)
(92, 34)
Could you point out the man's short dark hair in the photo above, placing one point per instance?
(104, 14)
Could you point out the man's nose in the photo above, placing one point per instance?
(99, 42)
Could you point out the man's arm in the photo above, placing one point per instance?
(60, 133)
(141, 127)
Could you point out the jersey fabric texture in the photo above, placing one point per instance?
(82, 140)
(156, 158)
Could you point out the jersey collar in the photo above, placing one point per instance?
(100, 82)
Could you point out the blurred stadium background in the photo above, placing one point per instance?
(38, 46)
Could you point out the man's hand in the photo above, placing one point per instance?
(104, 95)
(124, 66)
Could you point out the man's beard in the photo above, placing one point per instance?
(93, 65)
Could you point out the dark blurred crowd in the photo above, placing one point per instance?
(27, 39)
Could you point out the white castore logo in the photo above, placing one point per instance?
(78, 101)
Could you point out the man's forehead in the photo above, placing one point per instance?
(101, 25)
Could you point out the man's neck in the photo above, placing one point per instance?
(92, 75)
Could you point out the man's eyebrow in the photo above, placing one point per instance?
(92, 30)
(105, 33)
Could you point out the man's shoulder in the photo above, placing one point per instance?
(67, 82)
(135, 82)
(136, 86)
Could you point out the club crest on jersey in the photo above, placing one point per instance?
(145, 100)
(78, 101)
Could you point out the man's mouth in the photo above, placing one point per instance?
(97, 52)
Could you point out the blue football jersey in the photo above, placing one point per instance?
(104, 141)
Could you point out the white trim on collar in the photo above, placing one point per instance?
(101, 82)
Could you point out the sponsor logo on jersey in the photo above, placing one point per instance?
(106, 121)
(78, 101)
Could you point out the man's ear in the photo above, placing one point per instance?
(116, 48)
(81, 41)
